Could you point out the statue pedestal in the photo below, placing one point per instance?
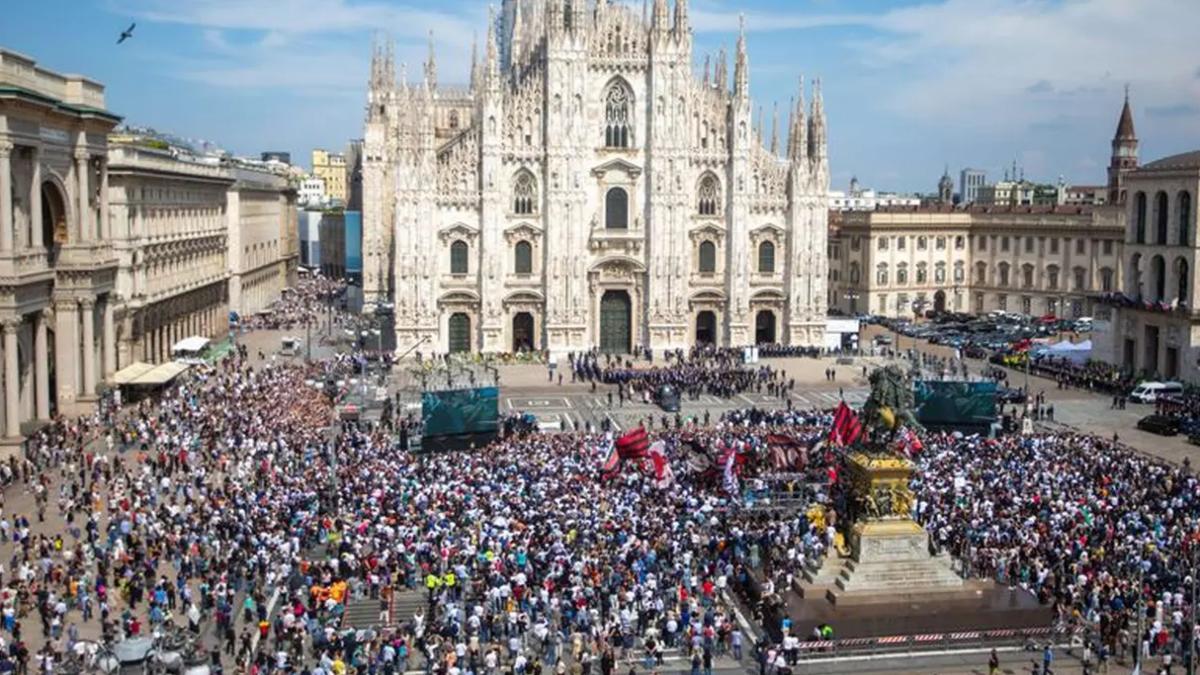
(891, 561)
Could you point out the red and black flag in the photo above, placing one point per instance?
(633, 445)
(612, 464)
(846, 427)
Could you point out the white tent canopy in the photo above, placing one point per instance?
(194, 343)
(145, 374)
(131, 372)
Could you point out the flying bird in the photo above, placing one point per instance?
(126, 34)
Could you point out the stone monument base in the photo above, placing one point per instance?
(890, 562)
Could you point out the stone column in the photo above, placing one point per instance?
(12, 396)
(105, 229)
(109, 344)
(35, 199)
(41, 366)
(88, 318)
(66, 350)
(81, 180)
(6, 207)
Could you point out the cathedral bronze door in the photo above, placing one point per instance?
(615, 320)
(764, 327)
(460, 333)
(706, 328)
(522, 332)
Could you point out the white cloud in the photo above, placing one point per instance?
(298, 16)
(1008, 63)
(308, 45)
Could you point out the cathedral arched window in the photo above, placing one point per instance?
(458, 257)
(523, 258)
(616, 209)
(524, 194)
(766, 258)
(618, 104)
(708, 257)
(709, 196)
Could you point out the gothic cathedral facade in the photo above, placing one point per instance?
(588, 189)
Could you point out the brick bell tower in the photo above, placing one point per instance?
(1124, 154)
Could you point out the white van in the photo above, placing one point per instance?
(1149, 392)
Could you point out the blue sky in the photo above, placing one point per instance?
(910, 85)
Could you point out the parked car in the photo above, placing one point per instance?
(1010, 395)
(1163, 425)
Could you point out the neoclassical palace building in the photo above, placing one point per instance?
(111, 252)
(590, 188)
(57, 264)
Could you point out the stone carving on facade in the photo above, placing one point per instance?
(542, 100)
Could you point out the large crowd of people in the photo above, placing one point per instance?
(234, 506)
(1094, 528)
(703, 370)
(313, 300)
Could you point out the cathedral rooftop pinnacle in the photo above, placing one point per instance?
(741, 75)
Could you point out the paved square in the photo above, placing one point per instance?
(532, 404)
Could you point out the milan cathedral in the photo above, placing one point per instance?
(591, 188)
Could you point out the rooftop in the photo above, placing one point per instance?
(983, 209)
(21, 73)
(1185, 160)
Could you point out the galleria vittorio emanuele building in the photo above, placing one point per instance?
(592, 187)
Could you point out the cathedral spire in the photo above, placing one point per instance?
(681, 18)
(431, 66)
(775, 130)
(659, 19)
(376, 63)
(707, 80)
(515, 41)
(720, 78)
(741, 75)
(816, 131)
(491, 71)
(474, 62)
(760, 129)
(389, 65)
(797, 137)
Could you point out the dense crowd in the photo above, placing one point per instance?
(1095, 529)
(1091, 375)
(716, 372)
(306, 303)
(231, 505)
(234, 506)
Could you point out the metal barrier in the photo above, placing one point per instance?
(902, 644)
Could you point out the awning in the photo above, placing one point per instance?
(131, 372)
(190, 344)
(160, 374)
